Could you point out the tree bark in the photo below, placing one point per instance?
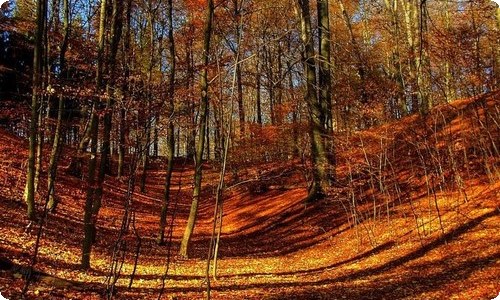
(207, 32)
(56, 143)
(257, 91)
(316, 113)
(125, 90)
(170, 128)
(116, 32)
(325, 81)
(54, 157)
(241, 108)
(91, 208)
(35, 100)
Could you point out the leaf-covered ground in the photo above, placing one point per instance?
(273, 246)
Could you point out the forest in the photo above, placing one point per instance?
(249, 149)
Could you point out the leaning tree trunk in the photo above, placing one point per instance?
(170, 128)
(202, 130)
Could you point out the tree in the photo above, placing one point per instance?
(56, 145)
(170, 129)
(35, 100)
(91, 207)
(315, 107)
(202, 123)
(325, 80)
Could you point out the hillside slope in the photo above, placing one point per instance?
(414, 213)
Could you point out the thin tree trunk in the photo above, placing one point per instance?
(170, 128)
(40, 136)
(145, 156)
(357, 52)
(35, 100)
(116, 32)
(423, 60)
(149, 122)
(241, 108)
(56, 143)
(88, 222)
(448, 76)
(54, 157)
(207, 32)
(257, 91)
(400, 106)
(409, 24)
(125, 90)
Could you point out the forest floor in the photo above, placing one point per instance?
(273, 246)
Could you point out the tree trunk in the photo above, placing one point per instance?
(88, 217)
(448, 74)
(40, 137)
(170, 128)
(325, 81)
(207, 32)
(241, 108)
(145, 153)
(423, 61)
(409, 25)
(116, 30)
(357, 52)
(399, 108)
(35, 100)
(257, 91)
(125, 90)
(56, 143)
(90, 214)
(54, 157)
(316, 114)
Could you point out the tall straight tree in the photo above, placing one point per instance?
(89, 215)
(170, 128)
(315, 107)
(241, 109)
(56, 145)
(202, 123)
(116, 33)
(35, 101)
(325, 61)
(125, 88)
(325, 79)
